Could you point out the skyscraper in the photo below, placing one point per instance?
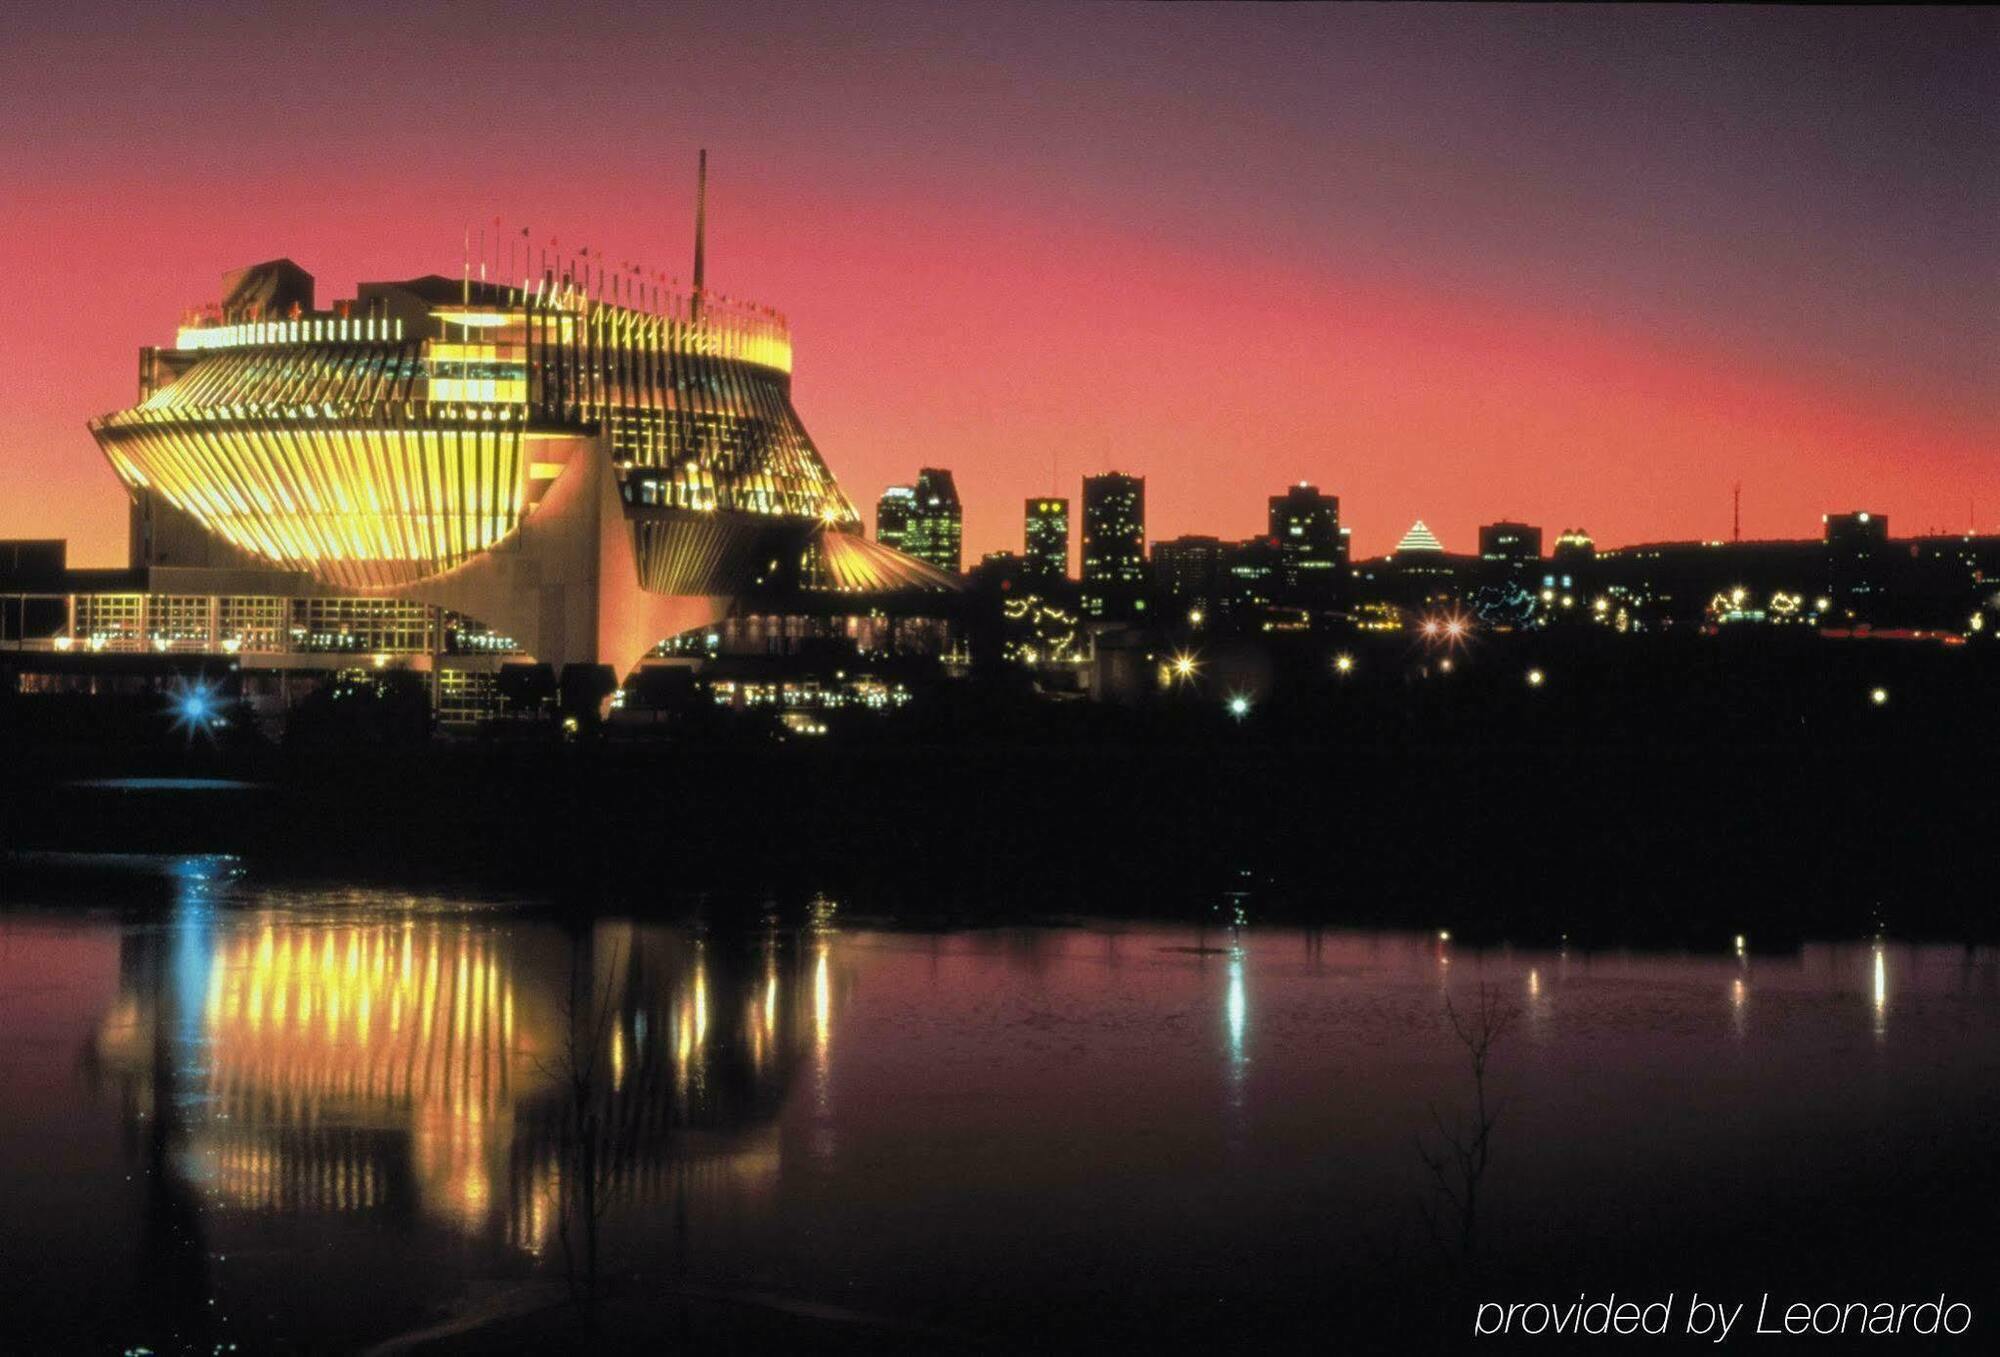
(1855, 544)
(937, 522)
(893, 513)
(1312, 554)
(1187, 573)
(1046, 539)
(1114, 545)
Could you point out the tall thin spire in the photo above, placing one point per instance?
(700, 227)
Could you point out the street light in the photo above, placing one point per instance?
(1536, 678)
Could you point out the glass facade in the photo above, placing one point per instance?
(937, 522)
(382, 450)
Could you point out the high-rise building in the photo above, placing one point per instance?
(893, 513)
(1187, 575)
(1114, 545)
(1312, 553)
(1855, 545)
(1046, 539)
(937, 522)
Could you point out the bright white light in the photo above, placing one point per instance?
(1343, 664)
(1239, 705)
(1536, 678)
(1879, 696)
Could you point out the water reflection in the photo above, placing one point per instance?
(1880, 992)
(414, 1063)
(348, 1092)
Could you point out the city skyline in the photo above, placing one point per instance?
(1465, 309)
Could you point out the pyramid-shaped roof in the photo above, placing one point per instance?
(1419, 538)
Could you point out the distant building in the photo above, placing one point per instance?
(1419, 539)
(1510, 543)
(937, 522)
(1574, 548)
(1114, 545)
(1251, 578)
(1856, 557)
(1188, 576)
(1045, 538)
(893, 513)
(1312, 552)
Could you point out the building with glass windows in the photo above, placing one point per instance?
(1312, 551)
(1045, 538)
(893, 513)
(936, 532)
(1114, 545)
(584, 463)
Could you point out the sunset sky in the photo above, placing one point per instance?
(1582, 266)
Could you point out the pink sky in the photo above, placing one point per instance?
(1585, 267)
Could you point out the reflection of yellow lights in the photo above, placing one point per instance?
(1534, 984)
(617, 1056)
(822, 999)
(700, 1005)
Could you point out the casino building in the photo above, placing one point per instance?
(570, 468)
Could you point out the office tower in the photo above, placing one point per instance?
(1305, 525)
(1045, 539)
(1114, 546)
(893, 513)
(937, 522)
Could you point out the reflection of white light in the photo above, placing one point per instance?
(1881, 980)
(1239, 1005)
(1534, 984)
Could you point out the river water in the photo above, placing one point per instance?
(313, 1117)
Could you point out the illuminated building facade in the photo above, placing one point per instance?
(936, 532)
(1045, 539)
(893, 513)
(1114, 545)
(583, 462)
